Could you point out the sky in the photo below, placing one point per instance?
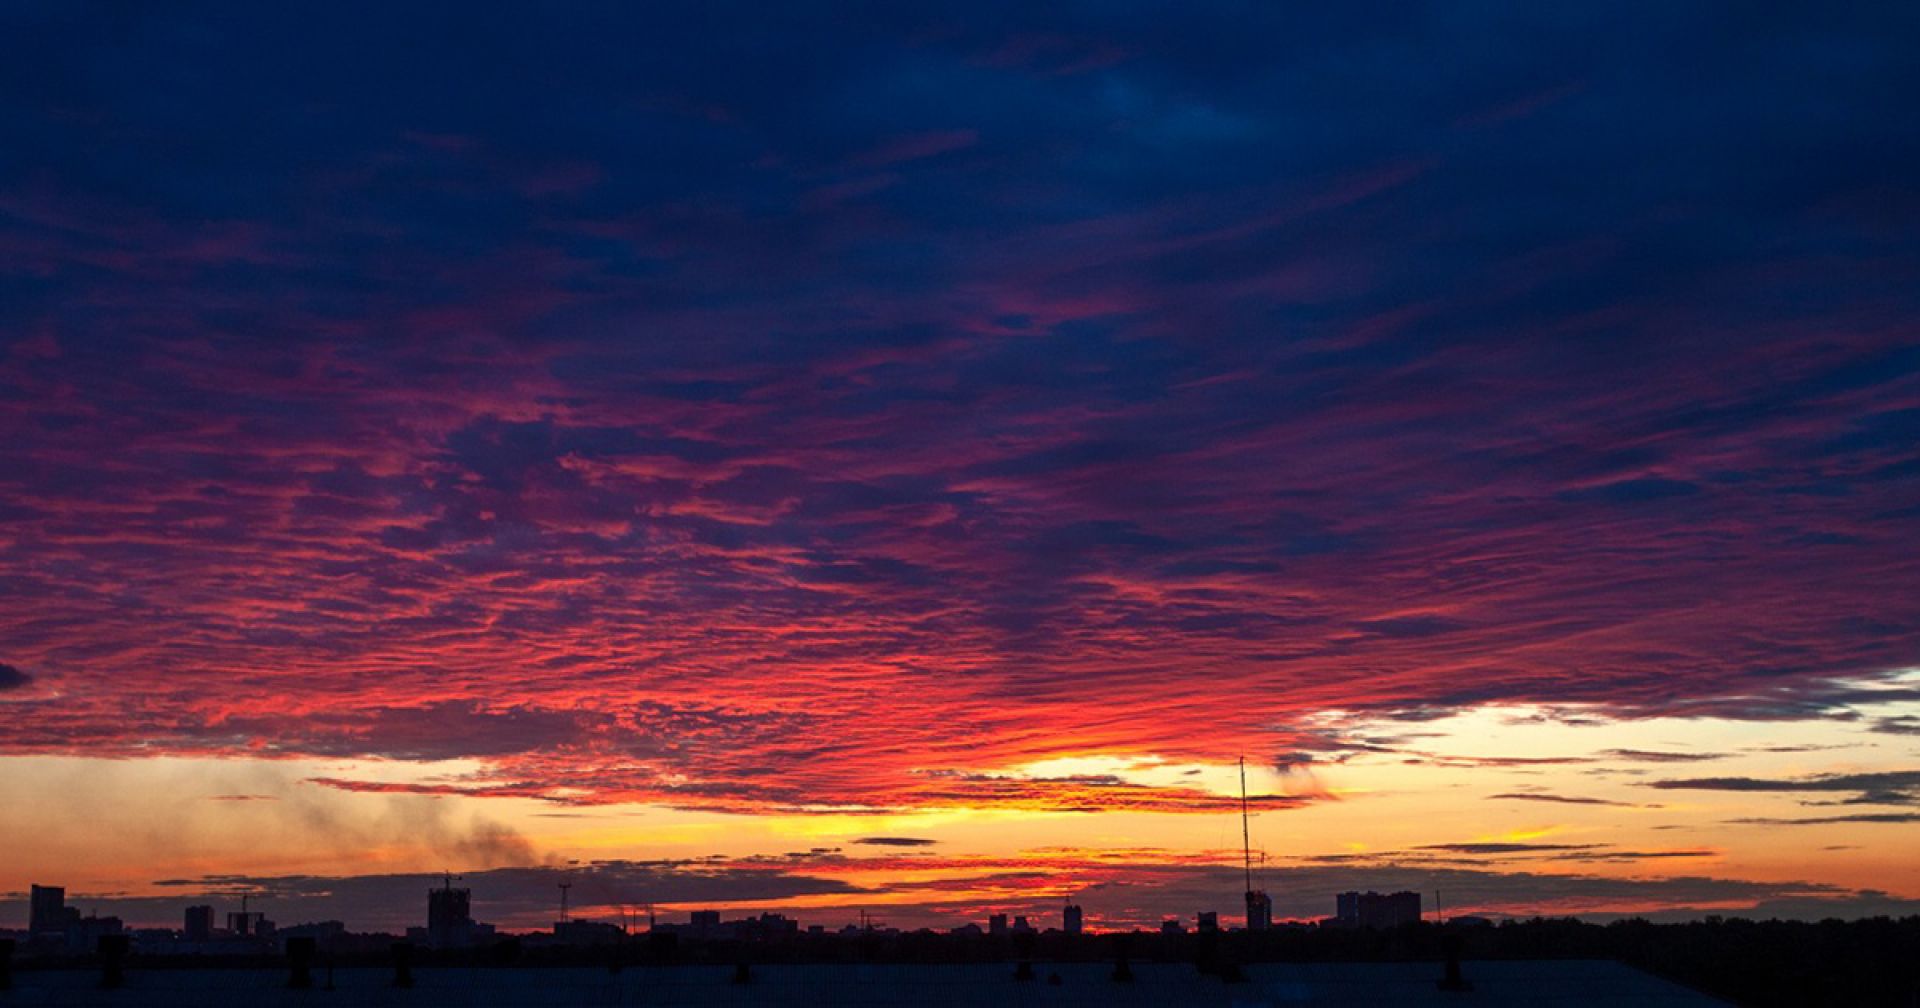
(902, 457)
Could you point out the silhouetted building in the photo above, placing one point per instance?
(588, 932)
(43, 904)
(1020, 925)
(48, 913)
(450, 922)
(1259, 910)
(767, 927)
(449, 908)
(1346, 908)
(84, 933)
(199, 924)
(448, 911)
(1072, 921)
(1206, 920)
(1171, 926)
(325, 933)
(1403, 908)
(249, 924)
(997, 924)
(1376, 910)
(704, 924)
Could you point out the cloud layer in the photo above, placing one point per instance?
(836, 414)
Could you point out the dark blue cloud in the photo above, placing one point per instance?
(1003, 356)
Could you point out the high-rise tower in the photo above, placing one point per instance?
(449, 915)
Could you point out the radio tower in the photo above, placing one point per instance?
(1259, 906)
(1246, 842)
(564, 886)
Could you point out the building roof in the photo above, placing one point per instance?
(1537, 984)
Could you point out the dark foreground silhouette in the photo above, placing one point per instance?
(1762, 964)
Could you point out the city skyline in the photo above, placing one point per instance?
(451, 922)
(903, 459)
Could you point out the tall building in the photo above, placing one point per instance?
(1259, 910)
(1376, 910)
(1206, 920)
(449, 907)
(48, 914)
(1072, 921)
(199, 924)
(47, 910)
(450, 916)
(1403, 908)
(997, 924)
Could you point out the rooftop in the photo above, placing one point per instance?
(1536, 984)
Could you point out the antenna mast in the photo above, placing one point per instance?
(1246, 842)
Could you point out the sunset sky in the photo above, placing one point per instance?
(899, 457)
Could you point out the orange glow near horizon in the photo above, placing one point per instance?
(1584, 805)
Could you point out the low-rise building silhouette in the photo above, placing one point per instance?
(84, 933)
(324, 933)
(249, 924)
(587, 932)
(704, 924)
(1376, 910)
